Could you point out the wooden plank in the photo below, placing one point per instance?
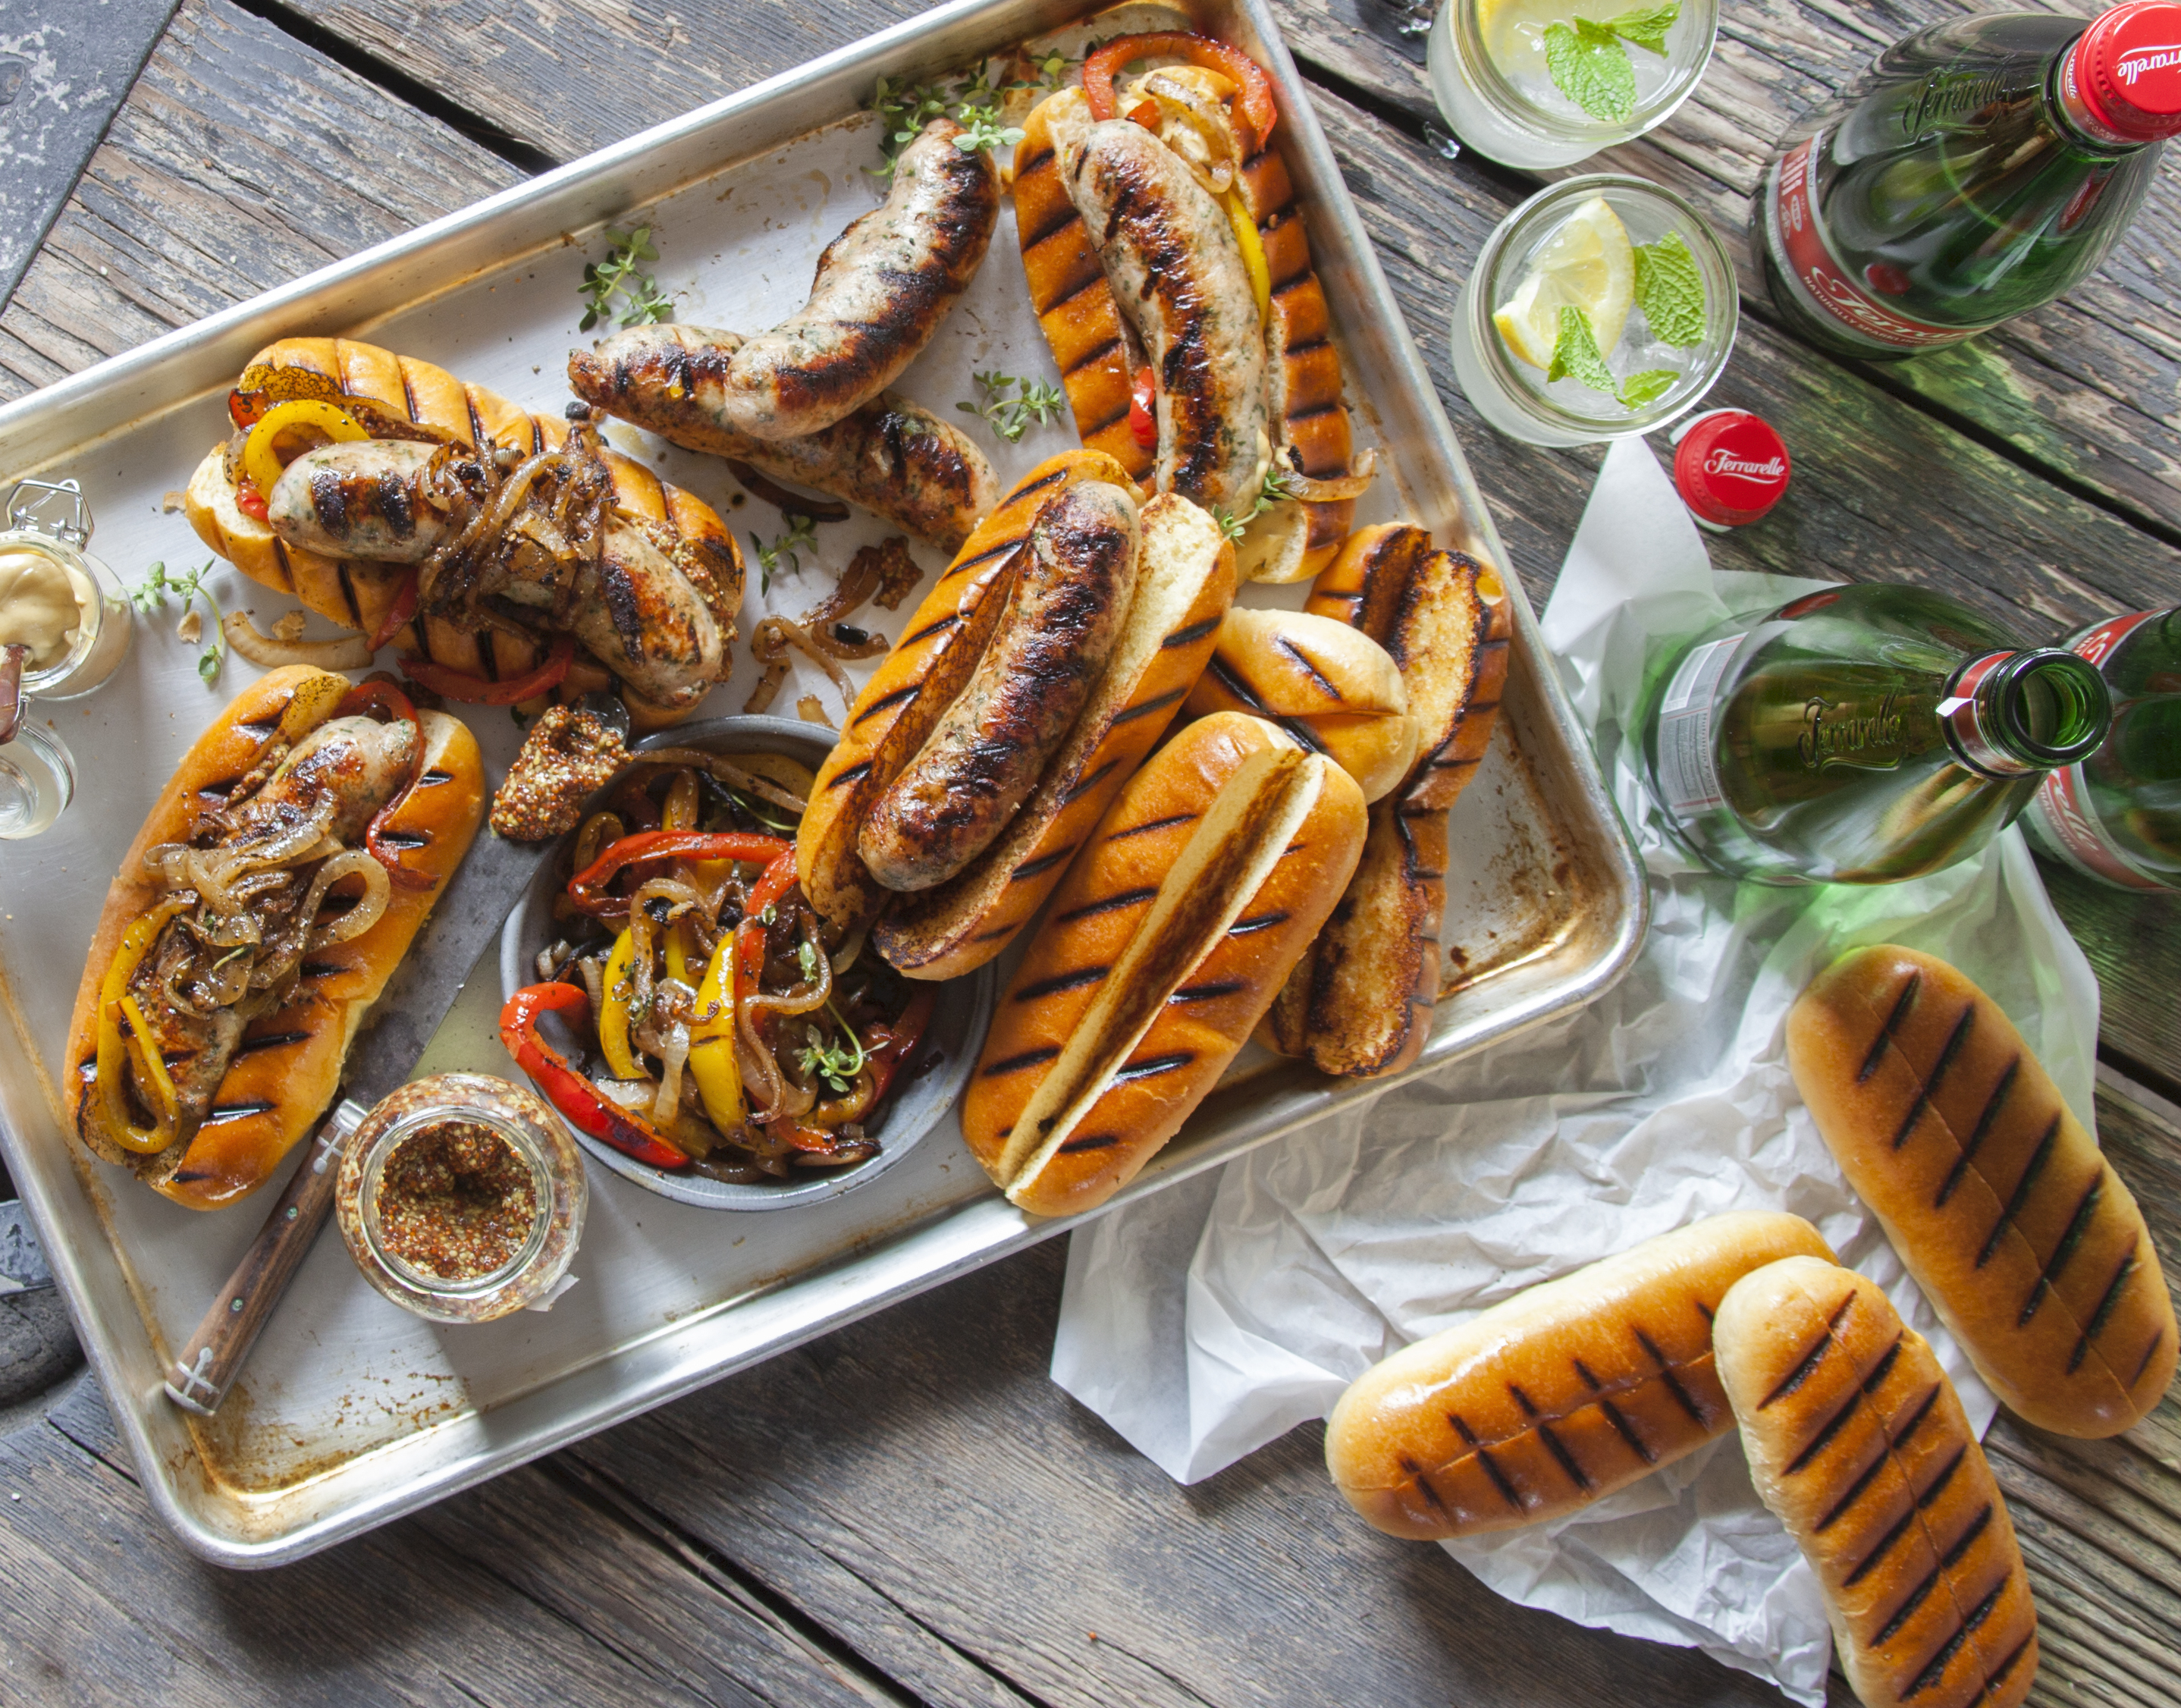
(2084, 388)
(239, 160)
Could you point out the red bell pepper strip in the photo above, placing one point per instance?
(585, 889)
(778, 880)
(377, 694)
(1143, 419)
(1255, 100)
(247, 409)
(475, 690)
(250, 500)
(398, 613)
(1144, 112)
(586, 1107)
(902, 1037)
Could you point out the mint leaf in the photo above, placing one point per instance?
(1576, 356)
(1669, 290)
(1589, 66)
(1647, 26)
(1574, 353)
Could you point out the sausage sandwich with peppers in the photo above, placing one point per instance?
(275, 886)
(1165, 252)
(507, 556)
(723, 1027)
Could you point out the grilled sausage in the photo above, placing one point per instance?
(891, 456)
(1072, 588)
(361, 498)
(635, 609)
(882, 287)
(1558, 1396)
(1176, 271)
(2026, 1242)
(1858, 1443)
(282, 1069)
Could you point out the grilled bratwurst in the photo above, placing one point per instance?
(882, 287)
(890, 456)
(1176, 271)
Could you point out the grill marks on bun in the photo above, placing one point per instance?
(2027, 1243)
(1857, 1442)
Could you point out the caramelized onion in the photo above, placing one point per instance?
(378, 891)
(348, 652)
(1331, 489)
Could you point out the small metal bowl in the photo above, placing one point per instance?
(958, 1019)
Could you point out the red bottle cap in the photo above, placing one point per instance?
(1729, 467)
(2121, 81)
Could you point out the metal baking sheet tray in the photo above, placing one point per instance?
(351, 1412)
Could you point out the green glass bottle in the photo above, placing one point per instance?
(2116, 815)
(1865, 734)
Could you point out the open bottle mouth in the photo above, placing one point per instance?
(2015, 713)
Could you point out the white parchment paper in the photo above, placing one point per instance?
(1212, 1318)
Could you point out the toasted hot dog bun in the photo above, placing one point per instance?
(1332, 687)
(1184, 584)
(2026, 1242)
(1097, 351)
(285, 1075)
(358, 593)
(1858, 1443)
(1558, 1396)
(1173, 931)
(909, 692)
(1360, 1003)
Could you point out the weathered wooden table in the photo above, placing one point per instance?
(907, 1512)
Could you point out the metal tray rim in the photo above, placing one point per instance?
(955, 1240)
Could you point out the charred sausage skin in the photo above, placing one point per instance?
(1176, 271)
(1070, 597)
(881, 288)
(364, 499)
(890, 455)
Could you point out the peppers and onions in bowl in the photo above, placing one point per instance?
(710, 1026)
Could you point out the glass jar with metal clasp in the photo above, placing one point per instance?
(64, 630)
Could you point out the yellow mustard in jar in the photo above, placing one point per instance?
(41, 606)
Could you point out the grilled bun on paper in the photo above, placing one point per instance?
(1187, 906)
(1332, 687)
(1858, 1443)
(667, 541)
(1559, 1396)
(1360, 1002)
(968, 695)
(283, 1072)
(2026, 1242)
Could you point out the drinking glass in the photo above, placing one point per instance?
(37, 779)
(1519, 399)
(1489, 74)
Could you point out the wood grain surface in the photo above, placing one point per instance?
(907, 1512)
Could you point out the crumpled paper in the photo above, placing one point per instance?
(1212, 1318)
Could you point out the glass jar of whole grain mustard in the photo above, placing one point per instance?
(461, 1197)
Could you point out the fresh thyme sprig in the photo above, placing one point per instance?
(801, 532)
(1275, 490)
(969, 95)
(834, 1063)
(1011, 416)
(617, 276)
(150, 596)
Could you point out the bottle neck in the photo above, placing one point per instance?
(2013, 715)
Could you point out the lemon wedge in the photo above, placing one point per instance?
(1589, 264)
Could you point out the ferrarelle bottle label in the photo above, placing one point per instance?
(1687, 769)
(2062, 805)
(1819, 279)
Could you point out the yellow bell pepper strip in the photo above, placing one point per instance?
(613, 1011)
(113, 1050)
(575, 1097)
(679, 812)
(1253, 252)
(712, 1042)
(261, 452)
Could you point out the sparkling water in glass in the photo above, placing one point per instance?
(1489, 75)
(1519, 399)
(37, 780)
